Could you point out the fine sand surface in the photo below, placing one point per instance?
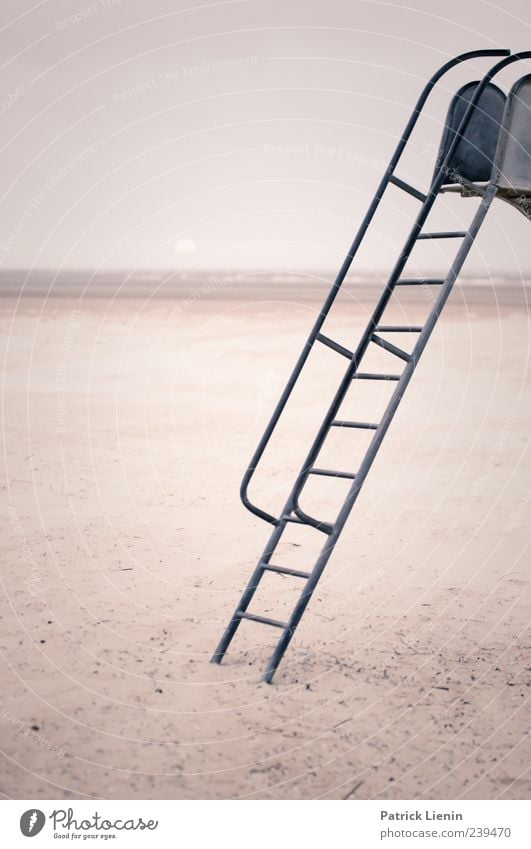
(127, 425)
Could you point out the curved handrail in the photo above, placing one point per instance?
(435, 187)
(249, 473)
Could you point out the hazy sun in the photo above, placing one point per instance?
(185, 246)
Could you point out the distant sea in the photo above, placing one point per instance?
(226, 285)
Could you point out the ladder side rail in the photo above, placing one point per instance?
(248, 593)
(372, 451)
(386, 294)
(481, 212)
(264, 440)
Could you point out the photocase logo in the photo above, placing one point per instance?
(31, 822)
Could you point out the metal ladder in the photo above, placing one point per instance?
(407, 362)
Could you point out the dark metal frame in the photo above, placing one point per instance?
(292, 511)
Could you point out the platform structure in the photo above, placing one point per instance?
(485, 153)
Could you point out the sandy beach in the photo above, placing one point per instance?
(127, 425)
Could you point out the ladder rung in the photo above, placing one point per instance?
(332, 474)
(447, 234)
(324, 527)
(363, 376)
(330, 343)
(407, 188)
(392, 349)
(397, 329)
(362, 425)
(283, 570)
(242, 614)
(427, 281)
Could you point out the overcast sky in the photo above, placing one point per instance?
(239, 134)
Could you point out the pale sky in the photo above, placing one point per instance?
(239, 134)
